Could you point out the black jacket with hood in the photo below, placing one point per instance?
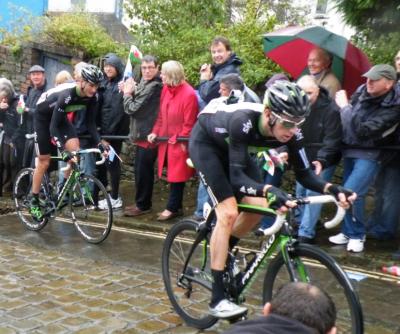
(209, 89)
(323, 126)
(111, 117)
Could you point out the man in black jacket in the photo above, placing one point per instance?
(142, 103)
(296, 308)
(368, 119)
(224, 62)
(323, 127)
(384, 220)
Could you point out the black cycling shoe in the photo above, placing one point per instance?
(306, 240)
(36, 209)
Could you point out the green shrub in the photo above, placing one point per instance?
(81, 31)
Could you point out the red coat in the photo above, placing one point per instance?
(178, 113)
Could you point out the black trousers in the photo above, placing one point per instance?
(144, 176)
(113, 168)
(175, 196)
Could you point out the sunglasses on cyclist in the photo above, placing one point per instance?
(286, 123)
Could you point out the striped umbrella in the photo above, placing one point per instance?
(289, 48)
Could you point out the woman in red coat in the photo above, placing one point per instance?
(178, 113)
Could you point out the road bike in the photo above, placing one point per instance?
(187, 274)
(76, 201)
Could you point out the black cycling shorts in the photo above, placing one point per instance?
(212, 164)
(43, 138)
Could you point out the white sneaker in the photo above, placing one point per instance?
(355, 245)
(102, 205)
(339, 239)
(226, 309)
(115, 203)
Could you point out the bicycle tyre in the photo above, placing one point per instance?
(93, 225)
(22, 195)
(188, 297)
(324, 272)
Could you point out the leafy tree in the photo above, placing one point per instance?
(382, 15)
(182, 30)
(176, 29)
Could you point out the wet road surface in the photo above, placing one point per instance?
(52, 281)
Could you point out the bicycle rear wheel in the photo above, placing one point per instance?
(318, 268)
(94, 225)
(22, 198)
(188, 287)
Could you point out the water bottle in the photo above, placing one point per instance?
(21, 107)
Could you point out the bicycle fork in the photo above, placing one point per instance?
(295, 267)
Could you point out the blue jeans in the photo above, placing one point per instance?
(202, 197)
(309, 214)
(87, 165)
(385, 218)
(358, 175)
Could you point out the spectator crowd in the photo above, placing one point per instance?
(158, 111)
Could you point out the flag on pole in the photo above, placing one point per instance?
(134, 57)
(275, 157)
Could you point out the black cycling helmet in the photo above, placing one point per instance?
(287, 99)
(92, 74)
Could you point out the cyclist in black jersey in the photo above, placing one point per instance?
(219, 148)
(51, 121)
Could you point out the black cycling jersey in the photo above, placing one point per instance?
(220, 144)
(51, 116)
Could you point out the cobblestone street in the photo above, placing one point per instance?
(49, 290)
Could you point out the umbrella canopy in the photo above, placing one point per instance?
(289, 48)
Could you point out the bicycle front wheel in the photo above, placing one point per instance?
(187, 274)
(94, 225)
(314, 266)
(22, 194)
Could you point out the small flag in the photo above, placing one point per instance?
(134, 57)
(269, 164)
(112, 154)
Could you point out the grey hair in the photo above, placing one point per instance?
(78, 69)
(7, 88)
(307, 81)
(173, 72)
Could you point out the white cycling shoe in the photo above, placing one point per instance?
(226, 309)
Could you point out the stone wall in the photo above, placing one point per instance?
(15, 66)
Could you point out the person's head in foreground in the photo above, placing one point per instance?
(305, 303)
(299, 308)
